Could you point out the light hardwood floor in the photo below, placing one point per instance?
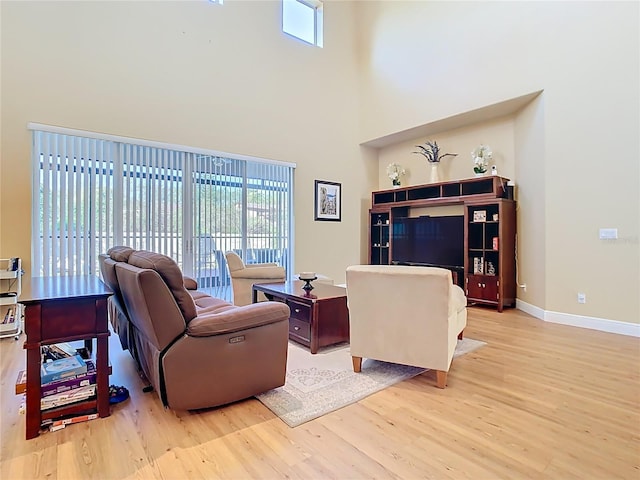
(539, 401)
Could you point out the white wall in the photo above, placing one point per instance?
(226, 78)
(497, 133)
(191, 73)
(576, 147)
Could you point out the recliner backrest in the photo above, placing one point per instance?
(151, 306)
(118, 314)
(171, 274)
(108, 271)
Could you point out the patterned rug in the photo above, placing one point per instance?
(324, 382)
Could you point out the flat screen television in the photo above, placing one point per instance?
(431, 241)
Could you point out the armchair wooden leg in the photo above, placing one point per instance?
(357, 364)
(441, 378)
(460, 335)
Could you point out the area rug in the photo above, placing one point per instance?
(324, 382)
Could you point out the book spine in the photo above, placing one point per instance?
(21, 380)
(9, 317)
(52, 377)
(60, 424)
(73, 366)
(65, 398)
(65, 385)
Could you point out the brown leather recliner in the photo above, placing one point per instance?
(115, 304)
(196, 350)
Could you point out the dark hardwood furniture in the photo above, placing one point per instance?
(491, 194)
(65, 309)
(318, 318)
(489, 247)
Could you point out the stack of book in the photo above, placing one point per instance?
(8, 322)
(67, 379)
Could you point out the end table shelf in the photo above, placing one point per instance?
(65, 309)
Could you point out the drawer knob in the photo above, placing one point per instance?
(297, 310)
(296, 328)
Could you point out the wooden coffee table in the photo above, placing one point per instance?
(318, 318)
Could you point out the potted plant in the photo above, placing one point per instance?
(394, 172)
(481, 156)
(431, 151)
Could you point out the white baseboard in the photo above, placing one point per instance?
(593, 323)
(530, 309)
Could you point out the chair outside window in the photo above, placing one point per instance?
(243, 276)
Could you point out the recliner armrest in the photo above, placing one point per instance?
(260, 272)
(190, 283)
(237, 319)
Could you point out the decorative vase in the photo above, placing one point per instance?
(396, 183)
(480, 174)
(435, 176)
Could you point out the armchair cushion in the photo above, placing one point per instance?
(262, 265)
(260, 272)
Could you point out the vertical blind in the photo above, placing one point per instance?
(90, 194)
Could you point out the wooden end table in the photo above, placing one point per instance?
(65, 309)
(318, 318)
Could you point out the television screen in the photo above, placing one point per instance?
(437, 241)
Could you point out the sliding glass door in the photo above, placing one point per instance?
(242, 207)
(91, 194)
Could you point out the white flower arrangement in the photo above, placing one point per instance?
(481, 156)
(394, 172)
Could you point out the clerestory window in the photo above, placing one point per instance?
(303, 19)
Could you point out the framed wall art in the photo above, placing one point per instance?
(328, 201)
(480, 216)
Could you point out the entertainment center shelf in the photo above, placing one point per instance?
(478, 246)
(445, 193)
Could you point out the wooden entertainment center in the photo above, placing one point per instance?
(489, 269)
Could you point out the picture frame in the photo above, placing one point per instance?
(480, 216)
(327, 201)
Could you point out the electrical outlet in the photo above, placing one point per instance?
(582, 298)
(523, 287)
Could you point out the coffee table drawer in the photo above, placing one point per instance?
(300, 311)
(300, 328)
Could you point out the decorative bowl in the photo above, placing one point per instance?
(307, 275)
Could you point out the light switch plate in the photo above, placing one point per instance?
(608, 233)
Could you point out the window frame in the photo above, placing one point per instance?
(318, 21)
(75, 153)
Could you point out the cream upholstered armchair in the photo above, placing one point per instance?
(405, 314)
(244, 276)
